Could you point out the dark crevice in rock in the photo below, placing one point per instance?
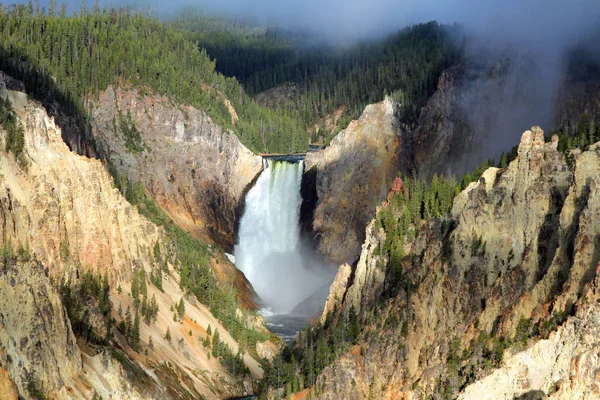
(310, 197)
(548, 238)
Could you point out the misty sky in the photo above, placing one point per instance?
(350, 19)
(540, 28)
(534, 21)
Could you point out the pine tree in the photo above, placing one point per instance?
(353, 329)
(128, 324)
(153, 309)
(503, 160)
(181, 309)
(168, 335)
(135, 334)
(216, 344)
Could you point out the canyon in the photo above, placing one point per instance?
(63, 219)
(470, 282)
(497, 297)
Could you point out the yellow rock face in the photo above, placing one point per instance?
(65, 211)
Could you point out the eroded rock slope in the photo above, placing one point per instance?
(498, 300)
(63, 212)
(197, 172)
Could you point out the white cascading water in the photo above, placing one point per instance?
(270, 251)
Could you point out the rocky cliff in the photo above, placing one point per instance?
(353, 175)
(496, 300)
(63, 212)
(197, 172)
(64, 203)
(37, 345)
(475, 113)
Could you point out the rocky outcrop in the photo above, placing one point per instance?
(369, 273)
(64, 211)
(563, 366)
(268, 350)
(353, 175)
(519, 250)
(337, 290)
(37, 345)
(65, 208)
(197, 172)
(8, 83)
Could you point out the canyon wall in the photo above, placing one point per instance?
(197, 172)
(63, 213)
(353, 174)
(497, 300)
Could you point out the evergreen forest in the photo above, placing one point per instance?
(66, 60)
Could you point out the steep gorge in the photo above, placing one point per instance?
(517, 257)
(63, 211)
(478, 107)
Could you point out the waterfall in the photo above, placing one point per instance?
(270, 251)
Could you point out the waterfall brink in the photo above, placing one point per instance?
(270, 252)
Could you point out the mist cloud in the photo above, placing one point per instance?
(538, 24)
(533, 21)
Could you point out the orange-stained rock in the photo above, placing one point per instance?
(7, 387)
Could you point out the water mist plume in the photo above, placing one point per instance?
(270, 252)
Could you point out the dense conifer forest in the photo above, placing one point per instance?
(406, 65)
(69, 59)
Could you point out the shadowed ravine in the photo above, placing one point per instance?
(287, 275)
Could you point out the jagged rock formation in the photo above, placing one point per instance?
(564, 366)
(61, 199)
(337, 290)
(479, 106)
(64, 211)
(37, 345)
(353, 175)
(520, 249)
(197, 172)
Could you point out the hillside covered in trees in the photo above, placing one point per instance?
(67, 59)
(406, 65)
(198, 60)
